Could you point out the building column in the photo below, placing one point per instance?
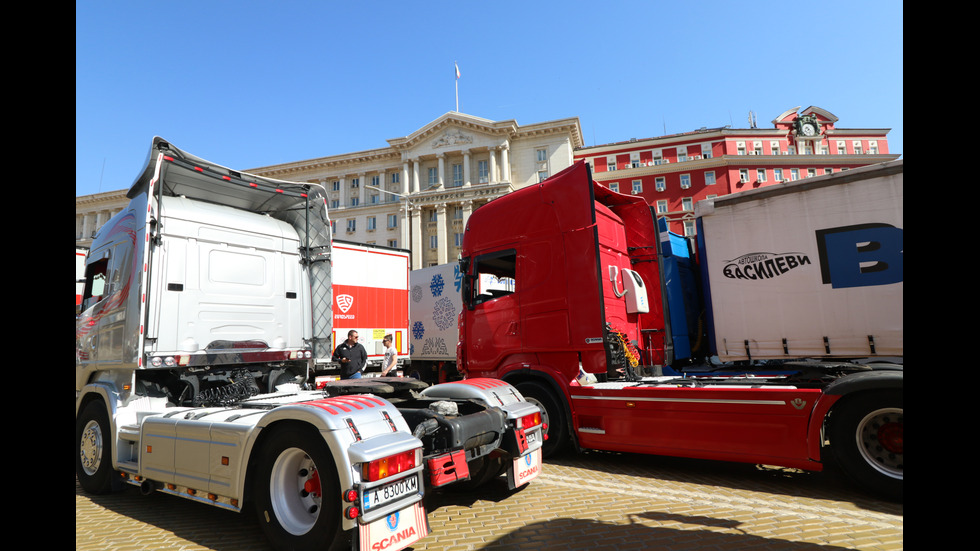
(466, 168)
(361, 186)
(442, 170)
(442, 242)
(493, 165)
(416, 245)
(415, 175)
(467, 211)
(405, 180)
(504, 163)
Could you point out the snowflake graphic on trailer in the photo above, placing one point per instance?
(418, 330)
(444, 313)
(416, 293)
(437, 285)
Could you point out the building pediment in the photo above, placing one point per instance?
(454, 130)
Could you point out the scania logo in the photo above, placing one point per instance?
(392, 521)
(763, 265)
(345, 302)
(798, 403)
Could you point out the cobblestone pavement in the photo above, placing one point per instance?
(593, 501)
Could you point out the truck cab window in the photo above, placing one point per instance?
(493, 276)
(95, 282)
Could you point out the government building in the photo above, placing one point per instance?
(417, 192)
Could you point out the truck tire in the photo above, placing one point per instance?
(866, 432)
(297, 492)
(552, 416)
(93, 447)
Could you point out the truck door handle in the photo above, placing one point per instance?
(512, 328)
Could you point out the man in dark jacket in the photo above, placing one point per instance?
(351, 356)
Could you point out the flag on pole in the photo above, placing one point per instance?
(457, 70)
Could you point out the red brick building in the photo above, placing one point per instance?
(674, 172)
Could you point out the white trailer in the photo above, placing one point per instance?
(434, 309)
(206, 306)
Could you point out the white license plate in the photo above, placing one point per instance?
(390, 492)
(532, 437)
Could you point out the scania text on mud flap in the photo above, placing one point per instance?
(206, 307)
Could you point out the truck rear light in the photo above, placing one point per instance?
(529, 421)
(391, 465)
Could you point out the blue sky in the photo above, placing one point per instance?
(248, 84)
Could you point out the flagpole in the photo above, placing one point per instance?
(456, 66)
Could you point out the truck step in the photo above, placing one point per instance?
(130, 433)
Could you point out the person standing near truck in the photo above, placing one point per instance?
(352, 357)
(391, 355)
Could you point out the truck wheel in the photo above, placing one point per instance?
(866, 434)
(93, 458)
(297, 493)
(552, 416)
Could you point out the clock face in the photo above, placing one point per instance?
(809, 129)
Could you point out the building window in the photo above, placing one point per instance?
(760, 174)
(336, 185)
(662, 206)
(660, 183)
(458, 239)
(743, 175)
(794, 174)
(808, 148)
(433, 216)
(433, 241)
(393, 243)
(637, 187)
(709, 178)
(457, 175)
(376, 181)
(857, 147)
(392, 221)
(355, 183)
(841, 147)
(681, 154)
(757, 148)
(611, 166)
(541, 155)
(433, 176)
(873, 147)
(375, 198)
(542, 175)
(824, 149)
(396, 178)
(687, 203)
(351, 225)
(614, 186)
(354, 201)
(774, 148)
(811, 172)
(334, 203)
(706, 150)
(777, 174)
(372, 223)
(635, 160)
(740, 148)
(483, 171)
(685, 181)
(828, 171)
(688, 227)
(658, 157)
